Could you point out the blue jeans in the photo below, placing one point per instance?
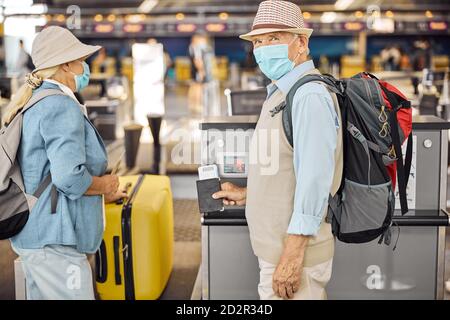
(56, 272)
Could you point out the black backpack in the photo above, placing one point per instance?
(363, 207)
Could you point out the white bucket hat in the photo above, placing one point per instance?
(56, 45)
(277, 16)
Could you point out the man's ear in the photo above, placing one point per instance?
(304, 43)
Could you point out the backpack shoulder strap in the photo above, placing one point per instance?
(329, 82)
(38, 96)
(48, 180)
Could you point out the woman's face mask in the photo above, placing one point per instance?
(273, 60)
(82, 80)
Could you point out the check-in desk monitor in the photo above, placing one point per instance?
(234, 165)
(245, 102)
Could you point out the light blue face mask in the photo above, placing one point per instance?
(82, 80)
(273, 60)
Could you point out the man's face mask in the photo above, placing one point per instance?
(82, 80)
(273, 60)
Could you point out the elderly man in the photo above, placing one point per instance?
(286, 209)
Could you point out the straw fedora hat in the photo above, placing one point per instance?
(277, 16)
(56, 45)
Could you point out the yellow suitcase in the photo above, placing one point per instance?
(135, 258)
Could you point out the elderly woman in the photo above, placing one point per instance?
(58, 140)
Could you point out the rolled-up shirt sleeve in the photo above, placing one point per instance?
(62, 128)
(315, 124)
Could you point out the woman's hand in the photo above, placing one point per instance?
(107, 184)
(231, 194)
(113, 197)
(110, 184)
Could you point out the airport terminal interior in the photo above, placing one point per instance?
(172, 74)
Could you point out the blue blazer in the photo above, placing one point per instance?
(57, 138)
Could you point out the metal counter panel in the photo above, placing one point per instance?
(233, 269)
(428, 170)
(372, 271)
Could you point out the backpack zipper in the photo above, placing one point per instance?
(366, 86)
(385, 127)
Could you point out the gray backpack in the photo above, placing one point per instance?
(378, 119)
(15, 204)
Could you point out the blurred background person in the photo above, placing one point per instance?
(201, 56)
(421, 59)
(24, 64)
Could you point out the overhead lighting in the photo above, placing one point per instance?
(223, 16)
(111, 17)
(353, 26)
(17, 27)
(98, 18)
(442, 25)
(215, 27)
(389, 14)
(428, 14)
(328, 17)
(15, 3)
(179, 16)
(104, 28)
(133, 28)
(147, 5)
(186, 27)
(135, 18)
(23, 7)
(359, 14)
(306, 15)
(60, 18)
(343, 4)
(384, 25)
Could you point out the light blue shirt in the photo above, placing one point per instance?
(58, 139)
(315, 124)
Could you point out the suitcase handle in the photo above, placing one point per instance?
(135, 190)
(101, 264)
(125, 189)
(116, 243)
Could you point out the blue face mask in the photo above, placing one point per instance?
(273, 60)
(82, 80)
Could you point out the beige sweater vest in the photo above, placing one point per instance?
(270, 196)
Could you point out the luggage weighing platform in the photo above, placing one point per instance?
(415, 270)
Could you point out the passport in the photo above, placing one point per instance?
(205, 189)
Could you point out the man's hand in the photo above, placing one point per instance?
(231, 194)
(287, 275)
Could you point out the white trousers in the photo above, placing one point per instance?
(56, 272)
(312, 284)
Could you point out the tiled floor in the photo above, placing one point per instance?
(187, 251)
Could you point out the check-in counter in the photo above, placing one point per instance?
(228, 264)
(414, 270)
(103, 115)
